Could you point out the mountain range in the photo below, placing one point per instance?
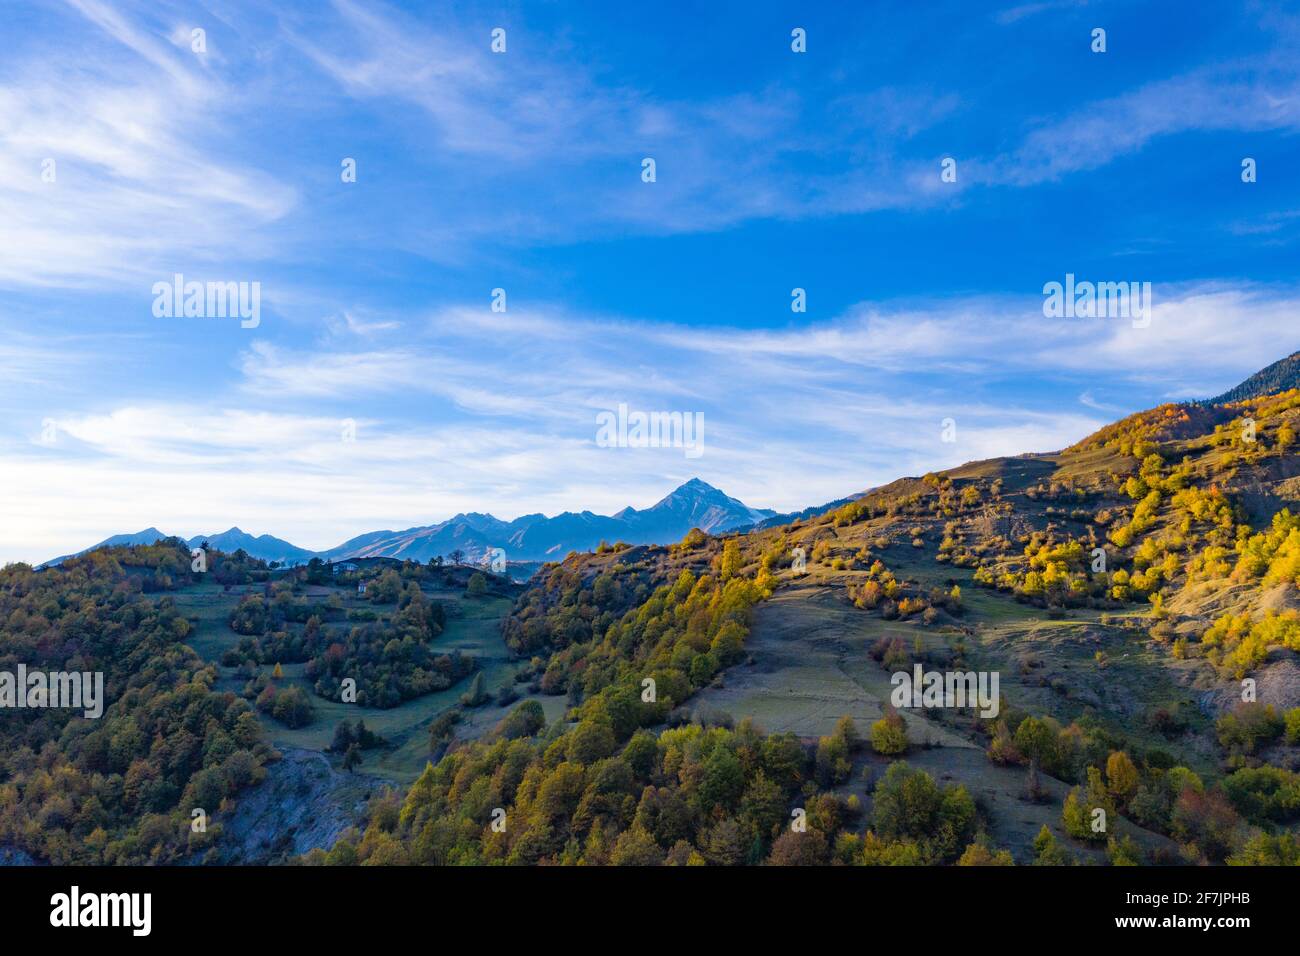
(264, 546)
(534, 537)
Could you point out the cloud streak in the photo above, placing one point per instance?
(482, 411)
(477, 170)
(108, 168)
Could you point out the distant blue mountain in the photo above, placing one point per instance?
(264, 546)
(147, 536)
(534, 537)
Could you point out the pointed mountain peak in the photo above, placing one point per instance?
(694, 490)
(696, 485)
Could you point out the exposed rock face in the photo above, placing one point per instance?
(1276, 683)
(302, 804)
(12, 856)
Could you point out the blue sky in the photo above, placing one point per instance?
(522, 171)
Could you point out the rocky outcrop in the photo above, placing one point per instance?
(302, 804)
(1277, 682)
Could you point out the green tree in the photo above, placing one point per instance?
(832, 764)
(1285, 436)
(728, 644)
(352, 759)
(762, 808)
(477, 693)
(524, 721)
(1036, 740)
(1121, 776)
(635, 847)
(1079, 816)
(730, 564)
(293, 708)
(724, 843)
(343, 737)
(1048, 852)
(910, 805)
(799, 849)
(1123, 851)
(723, 780)
(847, 731)
(1280, 849)
(889, 734)
(590, 741)
(1292, 721)
(977, 854)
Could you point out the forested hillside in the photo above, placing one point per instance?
(1283, 375)
(724, 700)
(636, 778)
(1124, 589)
(121, 788)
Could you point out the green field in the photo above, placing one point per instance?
(809, 664)
(473, 627)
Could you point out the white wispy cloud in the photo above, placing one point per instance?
(472, 410)
(154, 172)
(109, 167)
(1024, 10)
(168, 160)
(1247, 97)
